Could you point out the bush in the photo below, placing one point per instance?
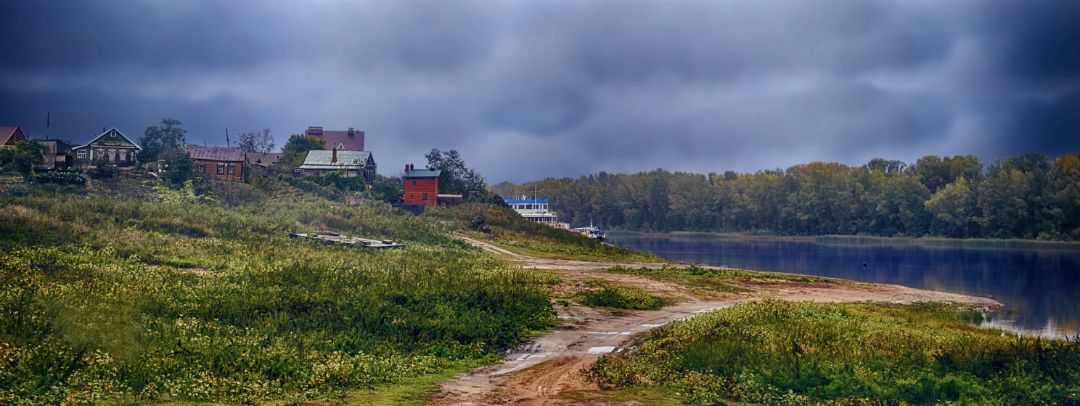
(60, 178)
(619, 298)
(103, 169)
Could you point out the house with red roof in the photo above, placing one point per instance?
(347, 140)
(12, 135)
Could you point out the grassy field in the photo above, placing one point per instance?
(804, 353)
(171, 297)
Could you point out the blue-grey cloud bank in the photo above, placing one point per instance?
(562, 88)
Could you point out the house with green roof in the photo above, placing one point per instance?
(348, 163)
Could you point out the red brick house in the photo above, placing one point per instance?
(218, 163)
(11, 135)
(421, 186)
(348, 140)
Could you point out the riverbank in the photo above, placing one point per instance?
(553, 368)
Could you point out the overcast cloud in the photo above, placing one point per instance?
(532, 89)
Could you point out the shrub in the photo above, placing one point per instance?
(60, 178)
(103, 169)
(619, 298)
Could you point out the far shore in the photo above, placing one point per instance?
(989, 243)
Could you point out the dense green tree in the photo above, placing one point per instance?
(21, 158)
(296, 148)
(179, 168)
(158, 139)
(953, 210)
(935, 172)
(455, 176)
(1065, 184)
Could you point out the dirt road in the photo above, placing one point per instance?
(544, 371)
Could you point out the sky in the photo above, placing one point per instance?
(531, 89)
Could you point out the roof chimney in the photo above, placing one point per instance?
(314, 131)
(333, 156)
(352, 132)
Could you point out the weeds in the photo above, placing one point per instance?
(804, 353)
(603, 294)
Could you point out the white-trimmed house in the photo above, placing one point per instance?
(111, 145)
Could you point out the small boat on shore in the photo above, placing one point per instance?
(591, 231)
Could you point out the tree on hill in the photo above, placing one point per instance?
(257, 141)
(457, 178)
(296, 149)
(155, 140)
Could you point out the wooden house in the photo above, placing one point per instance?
(111, 145)
(348, 163)
(421, 186)
(218, 163)
(56, 154)
(11, 135)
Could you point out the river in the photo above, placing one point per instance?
(1039, 285)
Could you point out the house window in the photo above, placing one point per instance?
(82, 154)
(414, 183)
(220, 169)
(232, 169)
(425, 197)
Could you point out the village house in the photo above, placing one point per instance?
(348, 163)
(218, 163)
(421, 186)
(11, 135)
(111, 145)
(262, 160)
(56, 153)
(349, 140)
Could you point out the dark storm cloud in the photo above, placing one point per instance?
(534, 89)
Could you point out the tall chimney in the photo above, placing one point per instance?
(333, 156)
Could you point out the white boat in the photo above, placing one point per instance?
(591, 231)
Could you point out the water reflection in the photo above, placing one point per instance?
(1039, 287)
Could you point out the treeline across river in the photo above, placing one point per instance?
(1028, 196)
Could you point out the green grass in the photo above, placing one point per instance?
(712, 279)
(172, 297)
(603, 294)
(805, 353)
(408, 391)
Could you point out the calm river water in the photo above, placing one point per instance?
(1040, 287)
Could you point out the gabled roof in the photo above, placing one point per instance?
(11, 135)
(335, 139)
(321, 159)
(106, 132)
(422, 173)
(215, 153)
